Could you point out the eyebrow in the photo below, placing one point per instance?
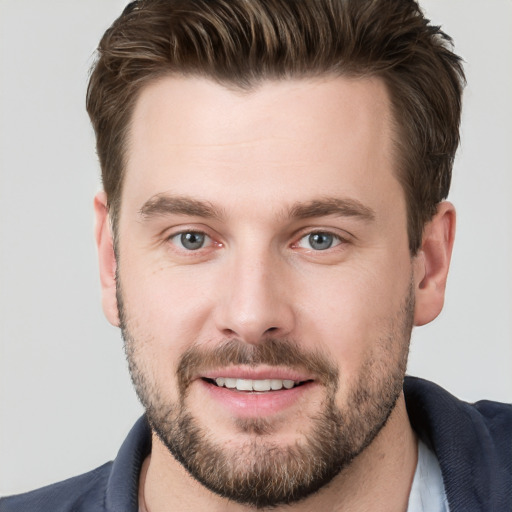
(345, 207)
(164, 204)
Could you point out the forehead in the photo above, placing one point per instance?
(282, 140)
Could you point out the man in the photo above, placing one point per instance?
(273, 224)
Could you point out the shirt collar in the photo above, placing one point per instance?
(123, 483)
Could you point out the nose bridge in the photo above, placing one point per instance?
(254, 301)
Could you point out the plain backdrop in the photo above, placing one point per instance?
(66, 401)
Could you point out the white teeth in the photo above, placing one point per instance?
(254, 385)
(276, 384)
(261, 385)
(230, 383)
(244, 384)
(288, 384)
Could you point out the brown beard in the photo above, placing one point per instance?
(261, 473)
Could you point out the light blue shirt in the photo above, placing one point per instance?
(427, 492)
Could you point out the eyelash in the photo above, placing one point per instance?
(337, 240)
(180, 234)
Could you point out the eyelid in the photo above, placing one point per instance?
(180, 230)
(343, 236)
(207, 240)
(337, 240)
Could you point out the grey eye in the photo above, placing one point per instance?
(319, 241)
(191, 240)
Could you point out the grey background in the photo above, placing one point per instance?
(66, 401)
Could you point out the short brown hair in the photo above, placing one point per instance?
(242, 42)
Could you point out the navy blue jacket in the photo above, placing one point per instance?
(473, 443)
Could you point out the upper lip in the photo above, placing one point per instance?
(259, 373)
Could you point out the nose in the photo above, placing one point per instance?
(254, 303)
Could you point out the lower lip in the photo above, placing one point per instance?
(244, 404)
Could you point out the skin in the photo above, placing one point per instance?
(253, 156)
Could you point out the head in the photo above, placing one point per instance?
(240, 44)
(273, 173)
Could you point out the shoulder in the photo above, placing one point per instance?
(81, 493)
(498, 416)
(473, 443)
(435, 409)
(113, 486)
(493, 425)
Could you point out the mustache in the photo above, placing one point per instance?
(271, 352)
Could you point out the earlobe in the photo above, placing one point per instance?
(432, 263)
(107, 259)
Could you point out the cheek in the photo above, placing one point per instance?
(350, 310)
(166, 309)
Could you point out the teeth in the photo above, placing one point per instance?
(230, 383)
(276, 384)
(261, 385)
(255, 385)
(288, 384)
(244, 385)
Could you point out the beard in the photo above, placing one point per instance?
(260, 472)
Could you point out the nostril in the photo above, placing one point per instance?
(271, 329)
(229, 333)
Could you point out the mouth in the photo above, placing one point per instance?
(257, 392)
(255, 385)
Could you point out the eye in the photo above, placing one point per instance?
(319, 241)
(191, 240)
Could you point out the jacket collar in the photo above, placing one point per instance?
(471, 442)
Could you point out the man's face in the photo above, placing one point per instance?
(263, 246)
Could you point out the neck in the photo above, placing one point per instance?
(380, 478)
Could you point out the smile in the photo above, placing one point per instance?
(251, 385)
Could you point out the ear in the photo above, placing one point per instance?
(432, 263)
(107, 258)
